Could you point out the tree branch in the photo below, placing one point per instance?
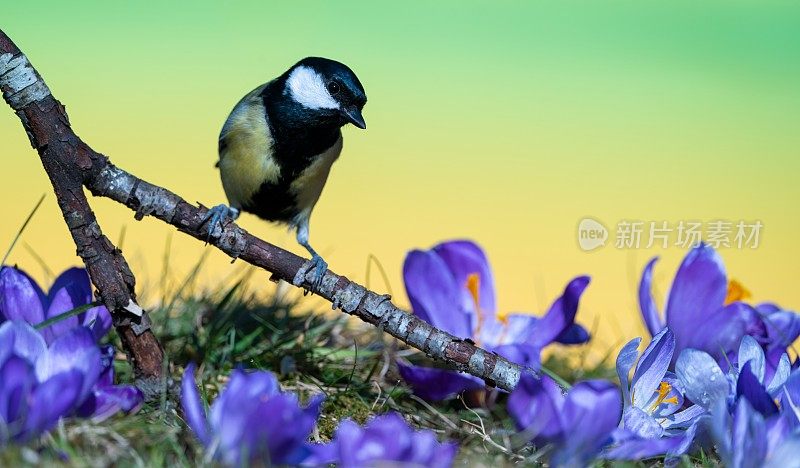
(103, 178)
(68, 163)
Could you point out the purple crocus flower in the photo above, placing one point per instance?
(40, 384)
(106, 398)
(653, 422)
(251, 420)
(705, 311)
(385, 440)
(452, 288)
(577, 426)
(749, 439)
(21, 299)
(782, 326)
(757, 433)
(704, 382)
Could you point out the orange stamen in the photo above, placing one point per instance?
(663, 391)
(473, 286)
(736, 292)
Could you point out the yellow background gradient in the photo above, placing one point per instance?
(504, 122)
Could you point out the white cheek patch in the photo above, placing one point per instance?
(307, 88)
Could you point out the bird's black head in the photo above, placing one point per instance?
(326, 91)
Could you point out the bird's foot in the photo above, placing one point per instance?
(318, 265)
(216, 216)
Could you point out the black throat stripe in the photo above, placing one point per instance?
(298, 137)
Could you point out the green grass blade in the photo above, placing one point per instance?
(563, 383)
(70, 313)
(22, 228)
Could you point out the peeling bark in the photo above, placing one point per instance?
(70, 163)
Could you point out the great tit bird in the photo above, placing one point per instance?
(279, 142)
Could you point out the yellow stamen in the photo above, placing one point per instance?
(473, 286)
(663, 391)
(736, 292)
(503, 318)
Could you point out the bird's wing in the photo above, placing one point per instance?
(245, 148)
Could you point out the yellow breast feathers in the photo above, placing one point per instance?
(307, 187)
(245, 145)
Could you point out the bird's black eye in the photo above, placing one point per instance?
(333, 88)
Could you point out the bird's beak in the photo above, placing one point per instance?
(353, 115)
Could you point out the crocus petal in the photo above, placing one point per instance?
(722, 330)
(52, 400)
(347, 438)
(650, 314)
(60, 302)
(282, 442)
(228, 418)
(464, 258)
(781, 374)
(76, 350)
(99, 321)
(6, 342)
(434, 294)
(290, 426)
(641, 423)
(314, 406)
(20, 297)
(235, 390)
(423, 446)
(76, 282)
(783, 328)
(514, 328)
(323, 454)
(699, 289)
(702, 379)
(108, 401)
(384, 440)
(637, 449)
(748, 437)
(778, 430)
(20, 338)
(444, 455)
(427, 451)
(523, 354)
(561, 315)
(437, 384)
(685, 418)
(652, 366)
(574, 334)
(592, 410)
(766, 308)
(625, 360)
(789, 396)
(16, 381)
(242, 387)
(534, 405)
(750, 388)
(244, 425)
(70, 290)
(785, 455)
(750, 352)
